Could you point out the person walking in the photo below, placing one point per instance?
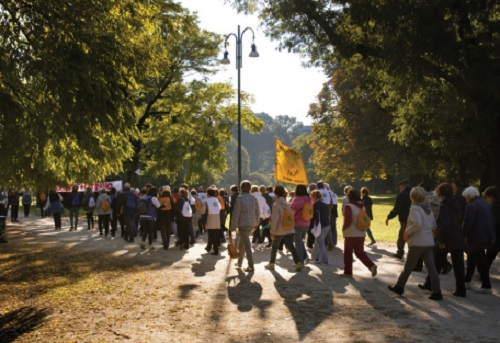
(492, 195)
(421, 223)
(302, 220)
(479, 231)
(88, 202)
(320, 216)
(165, 216)
(183, 217)
(74, 207)
(103, 210)
(401, 210)
(55, 208)
(449, 238)
(148, 219)
(128, 208)
(368, 203)
(211, 209)
(245, 218)
(354, 238)
(26, 201)
(281, 229)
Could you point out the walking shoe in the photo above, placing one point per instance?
(396, 289)
(399, 256)
(468, 285)
(269, 266)
(447, 268)
(299, 266)
(100, 234)
(307, 261)
(425, 286)
(436, 296)
(215, 253)
(237, 265)
(374, 270)
(249, 269)
(483, 291)
(460, 293)
(346, 275)
(143, 245)
(372, 243)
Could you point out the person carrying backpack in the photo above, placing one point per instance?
(183, 217)
(302, 217)
(89, 206)
(282, 228)
(74, 207)
(148, 215)
(128, 202)
(354, 237)
(103, 210)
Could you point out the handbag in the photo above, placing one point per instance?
(316, 230)
(231, 247)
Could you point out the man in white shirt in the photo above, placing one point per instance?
(327, 199)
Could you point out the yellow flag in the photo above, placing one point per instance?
(289, 165)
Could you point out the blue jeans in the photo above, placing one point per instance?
(300, 233)
(319, 250)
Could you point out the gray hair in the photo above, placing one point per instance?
(126, 186)
(417, 194)
(470, 192)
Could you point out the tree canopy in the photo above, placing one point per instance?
(432, 65)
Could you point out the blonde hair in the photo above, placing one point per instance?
(417, 194)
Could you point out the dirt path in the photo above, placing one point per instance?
(61, 286)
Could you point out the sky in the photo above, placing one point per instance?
(277, 80)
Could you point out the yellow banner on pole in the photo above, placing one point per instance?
(289, 165)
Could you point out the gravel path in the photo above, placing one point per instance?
(61, 286)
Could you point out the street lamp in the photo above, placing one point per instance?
(225, 60)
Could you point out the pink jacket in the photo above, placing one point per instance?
(297, 204)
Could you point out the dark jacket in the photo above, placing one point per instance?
(367, 200)
(320, 213)
(449, 224)
(178, 210)
(402, 206)
(479, 225)
(122, 203)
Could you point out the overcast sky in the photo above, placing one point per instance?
(277, 80)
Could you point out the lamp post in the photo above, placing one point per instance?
(225, 60)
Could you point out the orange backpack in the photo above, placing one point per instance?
(165, 201)
(197, 204)
(288, 221)
(307, 211)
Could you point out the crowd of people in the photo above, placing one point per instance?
(433, 223)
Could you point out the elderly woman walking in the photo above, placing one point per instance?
(211, 210)
(418, 231)
(479, 231)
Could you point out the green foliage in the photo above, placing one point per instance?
(432, 66)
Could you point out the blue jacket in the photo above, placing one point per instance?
(479, 225)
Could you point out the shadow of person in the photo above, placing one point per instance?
(245, 293)
(16, 323)
(205, 264)
(308, 299)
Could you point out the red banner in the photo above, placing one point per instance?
(96, 187)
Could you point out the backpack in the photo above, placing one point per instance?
(131, 202)
(43, 197)
(307, 211)
(105, 205)
(186, 209)
(75, 200)
(288, 221)
(91, 202)
(167, 202)
(363, 222)
(142, 208)
(266, 211)
(197, 204)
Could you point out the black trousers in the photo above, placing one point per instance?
(57, 220)
(90, 219)
(26, 210)
(114, 224)
(183, 232)
(14, 212)
(164, 224)
(213, 240)
(104, 223)
(477, 258)
(148, 228)
(457, 259)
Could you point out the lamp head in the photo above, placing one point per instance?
(225, 60)
(254, 52)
